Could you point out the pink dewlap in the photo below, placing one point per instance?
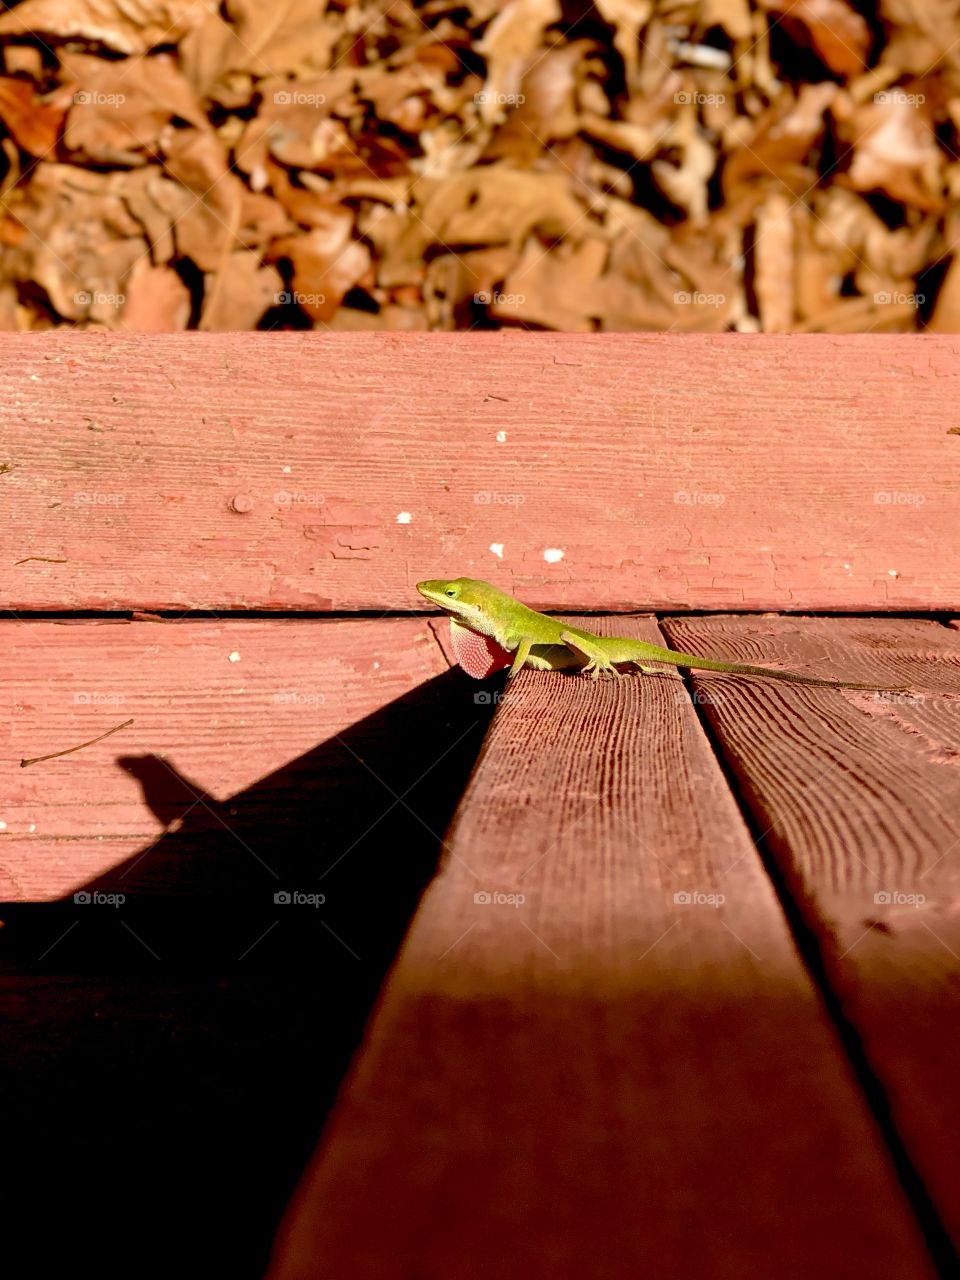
(478, 655)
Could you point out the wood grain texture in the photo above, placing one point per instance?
(330, 472)
(615, 1071)
(219, 707)
(858, 799)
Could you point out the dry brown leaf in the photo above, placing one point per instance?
(774, 251)
(387, 319)
(80, 242)
(922, 32)
(120, 109)
(325, 262)
(628, 18)
(212, 210)
(777, 146)
(157, 300)
(839, 35)
(895, 151)
(128, 26)
(945, 317)
(237, 296)
(509, 43)
(548, 107)
(33, 124)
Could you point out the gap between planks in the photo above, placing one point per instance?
(604, 1070)
(854, 800)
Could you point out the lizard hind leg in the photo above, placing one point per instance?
(598, 664)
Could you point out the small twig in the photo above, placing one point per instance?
(43, 559)
(53, 754)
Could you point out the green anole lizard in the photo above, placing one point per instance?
(490, 630)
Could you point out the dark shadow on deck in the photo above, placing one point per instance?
(167, 1064)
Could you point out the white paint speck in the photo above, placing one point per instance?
(3, 826)
(846, 566)
(497, 549)
(33, 826)
(553, 555)
(404, 517)
(234, 657)
(893, 573)
(35, 377)
(376, 666)
(287, 470)
(501, 437)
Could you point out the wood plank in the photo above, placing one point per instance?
(605, 1070)
(220, 708)
(858, 799)
(167, 1063)
(628, 471)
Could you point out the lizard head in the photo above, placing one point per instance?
(476, 604)
(479, 615)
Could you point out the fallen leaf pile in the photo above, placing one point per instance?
(777, 165)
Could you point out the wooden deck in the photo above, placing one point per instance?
(643, 977)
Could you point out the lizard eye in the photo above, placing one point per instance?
(451, 591)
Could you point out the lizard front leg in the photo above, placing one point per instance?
(520, 657)
(598, 664)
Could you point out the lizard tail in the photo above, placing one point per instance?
(657, 654)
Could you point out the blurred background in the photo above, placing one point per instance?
(745, 165)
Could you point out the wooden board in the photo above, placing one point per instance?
(857, 798)
(254, 716)
(331, 472)
(583, 1063)
(167, 1062)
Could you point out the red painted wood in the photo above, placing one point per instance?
(613, 472)
(608, 1074)
(222, 724)
(857, 796)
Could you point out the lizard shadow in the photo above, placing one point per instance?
(173, 1055)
